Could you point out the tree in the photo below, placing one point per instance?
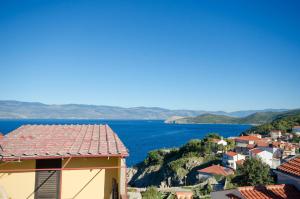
(151, 193)
(253, 172)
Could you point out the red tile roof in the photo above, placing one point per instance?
(256, 151)
(50, 141)
(262, 143)
(250, 146)
(240, 162)
(291, 167)
(248, 138)
(231, 153)
(217, 170)
(270, 192)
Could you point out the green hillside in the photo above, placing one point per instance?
(284, 122)
(256, 118)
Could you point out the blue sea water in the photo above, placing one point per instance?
(141, 136)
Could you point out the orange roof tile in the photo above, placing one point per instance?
(256, 151)
(250, 146)
(281, 191)
(248, 138)
(231, 153)
(240, 162)
(56, 141)
(262, 143)
(217, 170)
(291, 167)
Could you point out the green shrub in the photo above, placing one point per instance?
(151, 193)
(155, 157)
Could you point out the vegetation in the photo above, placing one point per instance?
(155, 157)
(256, 118)
(284, 122)
(177, 164)
(253, 172)
(203, 191)
(151, 193)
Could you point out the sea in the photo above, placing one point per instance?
(141, 136)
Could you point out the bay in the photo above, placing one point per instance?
(141, 136)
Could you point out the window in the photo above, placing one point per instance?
(47, 183)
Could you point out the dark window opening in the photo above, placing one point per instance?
(47, 183)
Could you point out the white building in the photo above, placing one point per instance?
(275, 134)
(265, 156)
(219, 142)
(296, 130)
(231, 158)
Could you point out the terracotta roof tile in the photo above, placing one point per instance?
(248, 138)
(231, 153)
(270, 192)
(240, 162)
(291, 167)
(217, 169)
(250, 146)
(262, 143)
(256, 151)
(42, 141)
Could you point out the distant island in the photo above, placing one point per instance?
(257, 118)
(10, 109)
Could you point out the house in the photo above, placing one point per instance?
(256, 135)
(289, 172)
(265, 156)
(243, 142)
(63, 161)
(296, 130)
(279, 191)
(219, 141)
(184, 194)
(214, 170)
(286, 148)
(275, 134)
(230, 159)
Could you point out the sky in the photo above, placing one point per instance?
(201, 55)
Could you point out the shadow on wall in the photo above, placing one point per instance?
(75, 195)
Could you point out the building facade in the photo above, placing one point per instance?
(63, 161)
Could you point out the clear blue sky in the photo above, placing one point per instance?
(211, 55)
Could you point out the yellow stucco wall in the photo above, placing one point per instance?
(82, 184)
(18, 185)
(77, 184)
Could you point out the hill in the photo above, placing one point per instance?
(16, 109)
(284, 122)
(255, 118)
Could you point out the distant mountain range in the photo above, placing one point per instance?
(257, 118)
(17, 109)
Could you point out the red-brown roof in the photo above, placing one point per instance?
(262, 143)
(240, 162)
(231, 153)
(50, 141)
(217, 170)
(248, 138)
(250, 146)
(256, 151)
(270, 192)
(291, 167)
